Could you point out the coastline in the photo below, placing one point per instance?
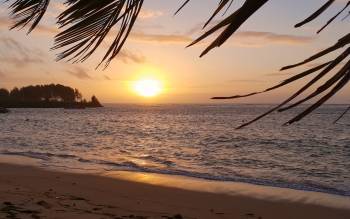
(28, 191)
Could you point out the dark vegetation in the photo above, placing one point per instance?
(45, 96)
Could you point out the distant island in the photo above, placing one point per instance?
(46, 96)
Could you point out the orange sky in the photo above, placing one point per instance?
(156, 49)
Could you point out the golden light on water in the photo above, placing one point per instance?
(148, 87)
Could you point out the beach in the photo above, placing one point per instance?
(103, 115)
(31, 192)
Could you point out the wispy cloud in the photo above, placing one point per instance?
(160, 38)
(106, 77)
(79, 73)
(255, 38)
(15, 53)
(245, 81)
(258, 39)
(279, 74)
(149, 14)
(243, 38)
(126, 56)
(6, 23)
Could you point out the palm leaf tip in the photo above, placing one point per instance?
(230, 24)
(26, 12)
(88, 23)
(316, 13)
(181, 7)
(334, 17)
(342, 115)
(320, 102)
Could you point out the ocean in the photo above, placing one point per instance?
(189, 140)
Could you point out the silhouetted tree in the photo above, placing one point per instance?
(88, 22)
(4, 94)
(78, 95)
(52, 95)
(15, 94)
(49, 93)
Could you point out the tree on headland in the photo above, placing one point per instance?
(87, 23)
(4, 94)
(15, 93)
(49, 93)
(45, 96)
(78, 95)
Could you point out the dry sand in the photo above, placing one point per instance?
(30, 192)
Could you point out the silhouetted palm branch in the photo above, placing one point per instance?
(89, 22)
(86, 24)
(337, 81)
(26, 12)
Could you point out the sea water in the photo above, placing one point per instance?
(189, 140)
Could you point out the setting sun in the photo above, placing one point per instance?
(148, 87)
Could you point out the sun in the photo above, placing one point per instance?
(148, 87)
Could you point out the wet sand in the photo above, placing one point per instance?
(31, 192)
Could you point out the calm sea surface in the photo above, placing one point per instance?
(192, 140)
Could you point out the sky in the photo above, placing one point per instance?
(249, 61)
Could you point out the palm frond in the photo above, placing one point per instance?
(321, 89)
(334, 17)
(326, 69)
(316, 13)
(283, 83)
(342, 115)
(220, 7)
(182, 6)
(235, 20)
(326, 97)
(319, 76)
(88, 23)
(340, 44)
(230, 24)
(28, 12)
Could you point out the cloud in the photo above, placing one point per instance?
(18, 54)
(79, 73)
(126, 56)
(254, 38)
(160, 38)
(6, 23)
(245, 81)
(242, 38)
(259, 39)
(149, 14)
(107, 78)
(279, 74)
(46, 30)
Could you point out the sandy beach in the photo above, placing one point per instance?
(138, 109)
(31, 192)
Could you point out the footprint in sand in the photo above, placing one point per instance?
(44, 204)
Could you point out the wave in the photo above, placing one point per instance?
(171, 170)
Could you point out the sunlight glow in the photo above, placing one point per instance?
(148, 87)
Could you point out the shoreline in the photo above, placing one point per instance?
(99, 170)
(122, 193)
